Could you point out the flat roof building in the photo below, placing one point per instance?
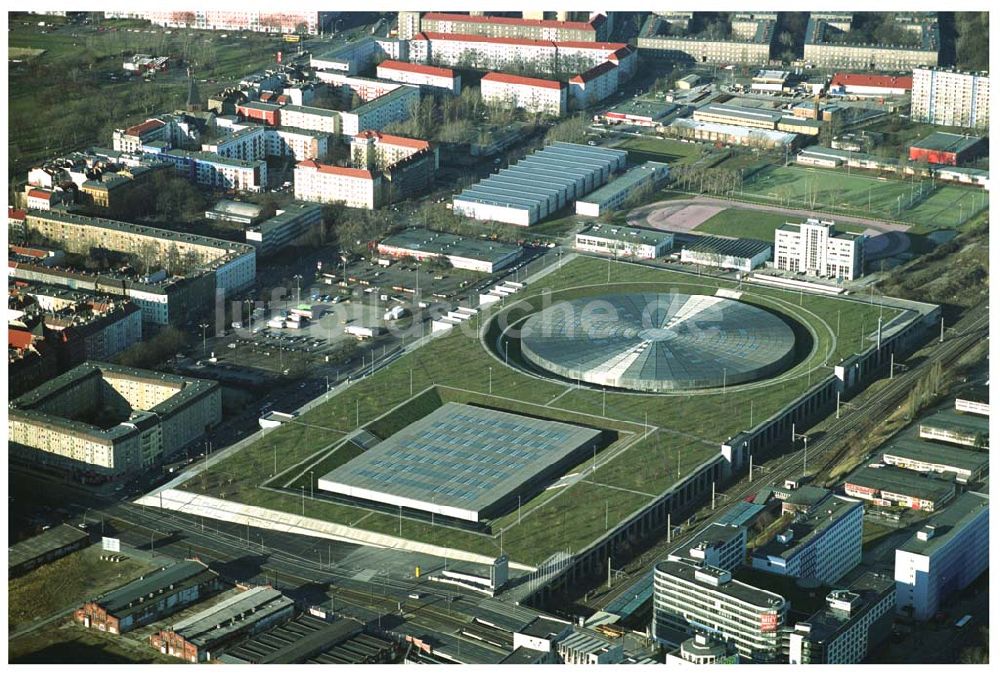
(946, 555)
(619, 240)
(288, 226)
(637, 112)
(749, 41)
(540, 184)
(817, 248)
(690, 599)
(821, 544)
(821, 51)
(637, 181)
(916, 455)
(722, 113)
(727, 253)
(462, 252)
(891, 486)
(951, 98)
(950, 426)
(463, 462)
(717, 545)
(856, 618)
(945, 148)
(731, 134)
(150, 597)
(975, 401)
(201, 637)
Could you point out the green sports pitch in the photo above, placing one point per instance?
(662, 438)
(927, 204)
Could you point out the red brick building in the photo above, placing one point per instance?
(268, 113)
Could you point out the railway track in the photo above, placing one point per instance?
(865, 412)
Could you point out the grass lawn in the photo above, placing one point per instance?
(738, 222)
(659, 150)
(690, 426)
(69, 642)
(69, 580)
(940, 206)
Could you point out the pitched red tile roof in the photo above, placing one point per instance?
(147, 126)
(336, 170)
(607, 46)
(525, 81)
(389, 139)
(29, 252)
(16, 214)
(510, 21)
(594, 72)
(461, 37)
(39, 194)
(863, 80)
(19, 339)
(418, 68)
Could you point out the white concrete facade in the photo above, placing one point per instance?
(815, 248)
(531, 94)
(951, 98)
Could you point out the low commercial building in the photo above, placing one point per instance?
(822, 544)
(966, 465)
(540, 184)
(722, 113)
(949, 426)
(689, 599)
(890, 486)
(870, 85)
(105, 420)
(430, 79)
(856, 618)
(726, 253)
(950, 97)
(532, 94)
(946, 555)
(619, 240)
(638, 112)
(975, 401)
(203, 636)
(149, 598)
(639, 180)
(326, 184)
(52, 544)
(816, 248)
(728, 134)
(244, 213)
(587, 647)
(687, 82)
(289, 226)
(313, 639)
(462, 253)
(770, 81)
(945, 148)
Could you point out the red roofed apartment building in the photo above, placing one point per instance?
(40, 198)
(133, 138)
(511, 27)
(532, 94)
(594, 85)
(407, 165)
(357, 188)
(428, 78)
(860, 84)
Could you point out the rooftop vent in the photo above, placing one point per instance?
(785, 537)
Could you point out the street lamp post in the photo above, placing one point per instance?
(204, 348)
(312, 494)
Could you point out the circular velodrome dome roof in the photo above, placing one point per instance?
(658, 341)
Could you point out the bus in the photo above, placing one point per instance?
(291, 37)
(964, 620)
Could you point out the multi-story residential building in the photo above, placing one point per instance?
(366, 88)
(822, 544)
(266, 113)
(357, 188)
(823, 53)
(248, 143)
(354, 57)
(311, 23)
(311, 118)
(945, 556)
(594, 85)
(889, 486)
(134, 137)
(815, 247)
(379, 113)
(146, 417)
(857, 617)
(593, 30)
(233, 264)
(430, 79)
(374, 150)
(299, 144)
(408, 24)
(690, 598)
(532, 94)
(749, 42)
(951, 98)
(208, 168)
